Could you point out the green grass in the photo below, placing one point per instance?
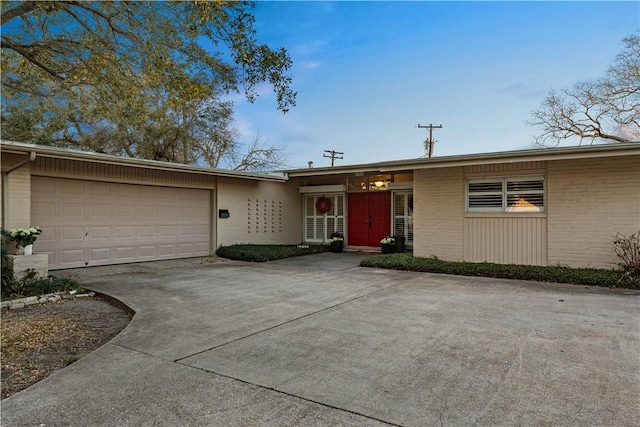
(559, 274)
(263, 253)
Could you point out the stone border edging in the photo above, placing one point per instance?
(19, 303)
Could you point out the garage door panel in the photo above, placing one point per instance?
(167, 212)
(125, 211)
(147, 231)
(73, 234)
(100, 255)
(100, 232)
(167, 231)
(73, 209)
(166, 250)
(124, 233)
(45, 207)
(124, 253)
(70, 186)
(146, 211)
(89, 223)
(72, 256)
(146, 251)
(100, 189)
(100, 209)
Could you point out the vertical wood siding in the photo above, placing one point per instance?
(505, 167)
(45, 166)
(506, 240)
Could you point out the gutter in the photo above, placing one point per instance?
(5, 185)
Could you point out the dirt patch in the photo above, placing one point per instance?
(37, 340)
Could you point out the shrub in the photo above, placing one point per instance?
(7, 271)
(263, 253)
(628, 250)
(30, 285)
(559, 274)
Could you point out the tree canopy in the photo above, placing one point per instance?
(142, 78)
(605, 109)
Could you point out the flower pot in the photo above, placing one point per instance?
(336, 247)
(388, 249)
(28, 250)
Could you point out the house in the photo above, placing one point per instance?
(537, 207)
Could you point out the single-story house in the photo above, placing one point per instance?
(538, 207)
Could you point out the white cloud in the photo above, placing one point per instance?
(309, 65)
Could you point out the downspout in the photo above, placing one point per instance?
(5, 185)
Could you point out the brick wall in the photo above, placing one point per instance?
(589, 201)
(19, 192)
(438, 205)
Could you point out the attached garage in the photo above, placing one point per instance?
(88, 223)
(96, 209)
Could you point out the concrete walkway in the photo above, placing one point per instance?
(317, 340)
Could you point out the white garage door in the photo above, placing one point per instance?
(87, 223)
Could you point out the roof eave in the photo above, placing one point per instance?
(62, 153)
(542, 154)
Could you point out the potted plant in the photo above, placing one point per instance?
(336, 243)
(24, 237)
(388, 245)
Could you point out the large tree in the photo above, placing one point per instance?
(606, 109)
(139, 78)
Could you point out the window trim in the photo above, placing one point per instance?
(504, 208)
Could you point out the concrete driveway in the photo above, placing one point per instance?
(317, 340)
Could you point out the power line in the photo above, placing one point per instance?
(332, 155)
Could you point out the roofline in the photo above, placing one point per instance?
(65, 153)
(539, 154)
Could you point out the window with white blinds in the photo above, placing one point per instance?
(507, 194)
(318, 226)
(403, 215)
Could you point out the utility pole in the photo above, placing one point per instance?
(428, 144)
(332, 155)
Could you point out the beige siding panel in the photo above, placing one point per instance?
(88, 223)
(438, 202)
(506, 240)
(589, 201)
(45, 166)
(260, 212)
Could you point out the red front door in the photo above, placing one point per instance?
(369, 218)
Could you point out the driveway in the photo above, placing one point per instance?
(317, 340)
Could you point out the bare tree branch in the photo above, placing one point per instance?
(18, 11)
(604, 109)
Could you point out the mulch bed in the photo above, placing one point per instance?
(37, 340)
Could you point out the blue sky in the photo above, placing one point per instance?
(367, 73)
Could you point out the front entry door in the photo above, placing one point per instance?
(369, 218)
